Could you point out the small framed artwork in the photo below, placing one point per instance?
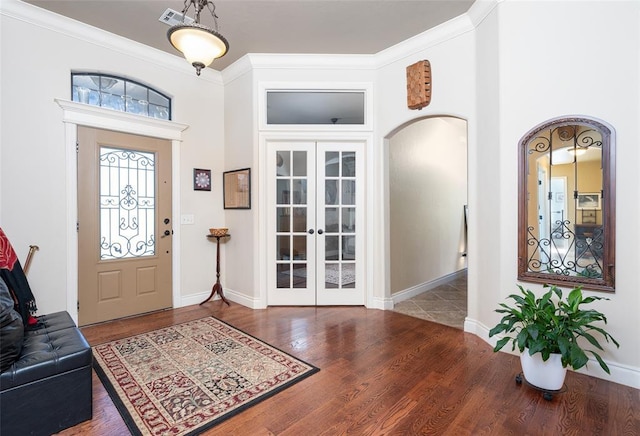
(589, 200)
(237, 189)
(201, 180)
(589, 216)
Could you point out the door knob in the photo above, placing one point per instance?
(311, 231)
(320, 232)
(166, 233)
(167, 220)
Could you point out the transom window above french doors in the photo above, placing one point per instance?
(315, 106)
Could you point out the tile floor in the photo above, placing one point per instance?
(445, 304)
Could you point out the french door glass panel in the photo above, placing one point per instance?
(295, 203)
(339, 216)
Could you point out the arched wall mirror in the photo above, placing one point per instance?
(566, 210)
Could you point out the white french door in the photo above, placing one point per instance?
(316, 223)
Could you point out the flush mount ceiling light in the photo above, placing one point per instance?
(199, 44)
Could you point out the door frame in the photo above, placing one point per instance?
(262, 223)
(78, 114)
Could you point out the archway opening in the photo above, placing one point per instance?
(427, 198)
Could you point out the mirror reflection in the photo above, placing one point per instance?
(566, 206)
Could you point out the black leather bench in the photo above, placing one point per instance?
(49, 387)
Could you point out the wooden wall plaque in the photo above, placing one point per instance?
(419, 85)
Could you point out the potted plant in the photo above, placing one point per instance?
(548, 331)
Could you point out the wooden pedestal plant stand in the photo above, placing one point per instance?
(217, 286)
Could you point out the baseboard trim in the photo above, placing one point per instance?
(380, 303)
(622, 374)
(426, 286)
(230, 294)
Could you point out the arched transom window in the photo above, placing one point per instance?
(120, 94)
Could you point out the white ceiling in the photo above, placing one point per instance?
(266, 26)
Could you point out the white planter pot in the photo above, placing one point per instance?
(547, 375)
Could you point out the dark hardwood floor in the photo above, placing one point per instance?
(384, 372)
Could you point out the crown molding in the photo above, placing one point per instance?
(453, 28)
(480, 9)
(259, 61)
(236, 70)
(45, 19)
(462, 24)
(312, 61)
(446, 31)
(425, 40)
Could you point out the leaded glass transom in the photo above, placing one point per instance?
(120, 94)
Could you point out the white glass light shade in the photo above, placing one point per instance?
(566, 155)
(576, 151)
(199, 44)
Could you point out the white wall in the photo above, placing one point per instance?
(245, 140)
(553, 59)
(239, 258)
(33, 175)
(450, 50)
(427, 192)
(517, 65)
(504, 67)
(485, 177)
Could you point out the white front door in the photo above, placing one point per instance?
(316, 223)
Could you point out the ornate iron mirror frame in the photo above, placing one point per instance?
(529, 267)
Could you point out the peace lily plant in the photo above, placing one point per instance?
(546, 326)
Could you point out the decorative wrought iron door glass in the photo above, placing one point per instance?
(127, 203)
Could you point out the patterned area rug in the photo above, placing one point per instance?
(331, 273)
(186, 378)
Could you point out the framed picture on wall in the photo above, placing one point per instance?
(237, 189)
(589, 216)
(201, 180)
(589, 200)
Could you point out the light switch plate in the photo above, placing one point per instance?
(187, 219)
